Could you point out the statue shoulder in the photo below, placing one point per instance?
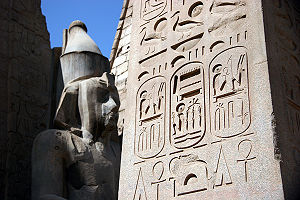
(52, 140)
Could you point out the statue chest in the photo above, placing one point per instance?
(90, 171)
(91, 174)
(91, 168)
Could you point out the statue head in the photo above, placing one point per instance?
(98, 102)
(89, 102)
(89, 107)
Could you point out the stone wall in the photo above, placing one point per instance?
(4, 60)
(214, 101)
(24, 88)
(282, 25)
(119, 58)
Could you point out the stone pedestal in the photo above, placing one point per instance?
(214, 104)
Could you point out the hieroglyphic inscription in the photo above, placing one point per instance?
(222, 174)
(153, 28)
(157, 172)
(190, 174)
(151, 9)
(188, 24)
(187, 105)
(289, 51)
(229, 98)
(286, 41)
(152, 37)
(226, 15)
(150, 118)
(187, 65)
(140, 190)
(245, 148)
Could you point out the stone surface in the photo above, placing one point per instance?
(283, 48)
(80, 159)
(25, 57)
(119, 58)
(207, 118)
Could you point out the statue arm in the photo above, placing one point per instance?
(47, 167)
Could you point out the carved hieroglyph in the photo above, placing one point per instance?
(187, 106)
(150, 127)
(229, 108)
(151, 9)
(198, 121)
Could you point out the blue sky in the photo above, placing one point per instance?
(100, 16)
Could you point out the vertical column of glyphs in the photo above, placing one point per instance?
(192, 120)
(151, 97)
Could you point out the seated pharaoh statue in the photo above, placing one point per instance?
(80, 158)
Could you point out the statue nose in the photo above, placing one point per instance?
(110, 106)
(113, 105)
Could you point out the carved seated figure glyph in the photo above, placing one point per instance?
(80, 159)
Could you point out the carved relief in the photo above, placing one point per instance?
(289, 52)
(140, 191)
(176, 38)
(157, 172)
(151, 9)
(152, 37)
(245, 148)
(216, 45)
(229, 96)
(187, 25)
(190, 174)
(226, 14)
(143, 74)
(150, 118)
(187, 108)
(222, 174)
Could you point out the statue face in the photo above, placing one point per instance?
(98, 103)
(110, 107)
(90, 103)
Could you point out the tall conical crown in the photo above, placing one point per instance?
(80, 54)
(79, 40)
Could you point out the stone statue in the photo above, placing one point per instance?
(80, 159)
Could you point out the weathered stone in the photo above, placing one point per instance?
(122, 68)
(122, 76)
(212, 101)
(119, 60)
(25, 66)
(125, 40)
(119, 54)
